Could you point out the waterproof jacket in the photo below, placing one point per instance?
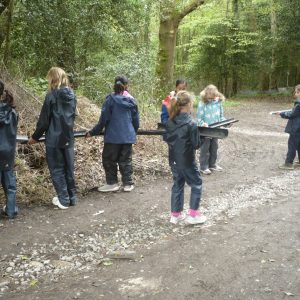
(183, 139)
(57, 118)
(8, 134)
(120, 119)
(210, 112)
(293, 116)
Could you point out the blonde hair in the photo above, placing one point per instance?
(210, 90)
(297, 88)
(182, 99)
(57, 77)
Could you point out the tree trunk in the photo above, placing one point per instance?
(170, 18)
(7, 32)
(272, 78)
(235, 76)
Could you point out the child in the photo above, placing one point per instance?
(8, 133)
(120, 118)
(183, 139)
(181, 85)
(57, 121)
(210, 110)
(293, 128)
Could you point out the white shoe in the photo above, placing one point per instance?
(216, 169)
(128, 188)
(206, 171)
(56, 202)
(195, 220)
(176, 220)
(109, 188)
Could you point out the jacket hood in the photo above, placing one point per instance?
(179, 121)
(66, 94)
(124, 101)
(5, 113)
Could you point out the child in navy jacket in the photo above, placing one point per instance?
(120, 121)
(293, 128)
(8, 134)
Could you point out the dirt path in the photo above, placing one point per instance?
(249, 248)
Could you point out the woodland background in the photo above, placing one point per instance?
(242, 46)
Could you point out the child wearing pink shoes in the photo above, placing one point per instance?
(183, 139)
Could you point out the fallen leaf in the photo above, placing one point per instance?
(288, 294)
(33, 282)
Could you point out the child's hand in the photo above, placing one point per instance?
(205, 125)
(31, 141)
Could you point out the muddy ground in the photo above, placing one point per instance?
(248, 249)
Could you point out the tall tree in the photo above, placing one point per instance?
(171, 14)
(10, 9)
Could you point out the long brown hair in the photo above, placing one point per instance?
(211, 92)
(182, 99)
(6, 95)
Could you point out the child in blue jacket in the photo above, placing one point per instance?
(293, 128)
(183, 139)
(210, 110)
(120, 120)
(8, 134)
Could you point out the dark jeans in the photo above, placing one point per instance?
(192, 177)
(115, 155)
(293, 147)
(61, 166)
(9, 184)
(208, 153)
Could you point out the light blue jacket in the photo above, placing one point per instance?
(210, 112)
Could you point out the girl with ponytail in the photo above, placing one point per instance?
(120, 119)
(183, 139)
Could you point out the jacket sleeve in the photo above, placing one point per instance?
(164, 116)
(104, 117)
(195, 137)
(135, 118)
(44, 119)
(222, 118)
(200, 114)
(294, 113)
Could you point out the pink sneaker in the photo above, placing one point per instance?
(175, 220)
(197, 219)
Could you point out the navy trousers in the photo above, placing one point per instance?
(61, 166)
(293, 148)
(9, 184)
(192, 177)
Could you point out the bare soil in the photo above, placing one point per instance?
(248, 249)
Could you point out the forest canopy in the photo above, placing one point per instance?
(236, 44)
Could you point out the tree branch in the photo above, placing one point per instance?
(191, 6)
(3, 5)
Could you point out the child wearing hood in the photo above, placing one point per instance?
(8, 135)
(56, 120)
(293, 128)
(120, 120)
(183, 139)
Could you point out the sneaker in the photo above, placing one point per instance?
(216, 168)
(57, 203)
(206, 171)
(6, 215)
(296, 164)
(109, 188)
(286, 166)
(128, 188)
(200, 219)
(176, 220)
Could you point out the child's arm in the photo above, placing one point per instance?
(294, 113)
(200, 114)
(135, 118)
(104, 117)
(44, 119)
(164, 116)
(195, 137)
(222, 118)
